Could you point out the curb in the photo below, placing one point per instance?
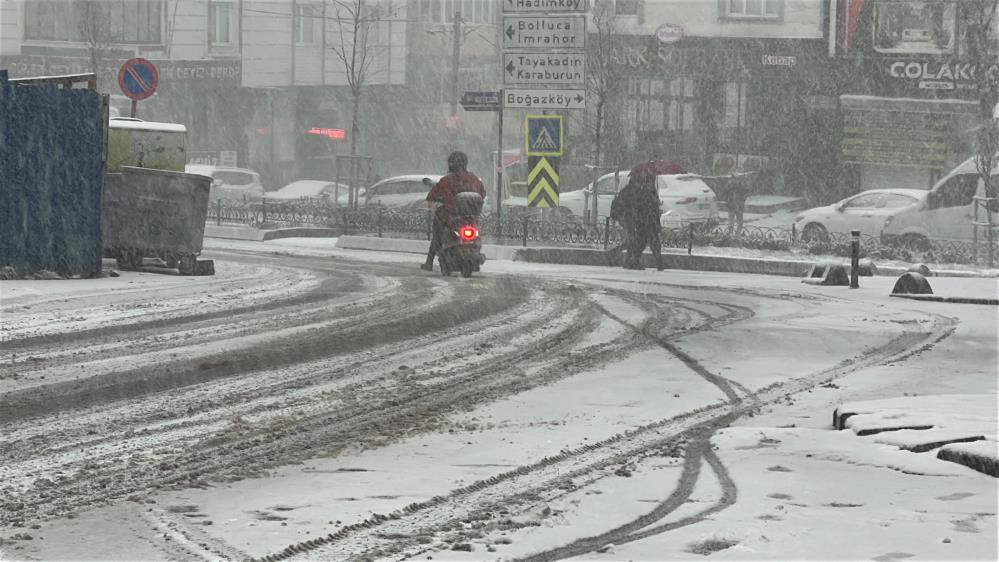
(578, 256)
(560, 256)
(259, 235)
(409, 246)
(958, 300)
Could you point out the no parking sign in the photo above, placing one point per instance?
(138, 78)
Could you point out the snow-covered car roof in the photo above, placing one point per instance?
(303, 188)
(132, 124)
(409, 177)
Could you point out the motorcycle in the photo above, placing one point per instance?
(461, 248)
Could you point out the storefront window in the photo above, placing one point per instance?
(735, 116)
(308, 16)
(970, 22)
(914, 26)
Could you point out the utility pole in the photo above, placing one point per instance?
(455, 60)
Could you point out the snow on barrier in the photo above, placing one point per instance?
(982, 456)
(912, 283)
(922, 423)
(827, 273)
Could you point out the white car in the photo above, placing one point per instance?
(578, 201)
(870, 212)
(230, 184)
(335, 193)
(946, 211)
(400, 191)
(686, 199)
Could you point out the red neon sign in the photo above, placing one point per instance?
(335, 134)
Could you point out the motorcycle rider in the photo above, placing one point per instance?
(458, 180)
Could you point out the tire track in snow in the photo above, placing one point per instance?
(527, 483)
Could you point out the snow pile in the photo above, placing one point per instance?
(964, 424)
(982, 456)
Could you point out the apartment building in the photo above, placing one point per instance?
(255, 77)
(191, 42)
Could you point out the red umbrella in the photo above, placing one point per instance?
(657, 168)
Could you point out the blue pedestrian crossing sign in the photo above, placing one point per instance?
(543, 135)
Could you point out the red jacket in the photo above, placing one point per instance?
(449, 186)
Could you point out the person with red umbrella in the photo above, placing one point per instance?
(637, 208)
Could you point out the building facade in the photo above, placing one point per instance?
(199, 67)
(264, 79)
(910, 101)
(717, 86)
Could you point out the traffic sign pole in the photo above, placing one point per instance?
(499, 173)
(135, 107)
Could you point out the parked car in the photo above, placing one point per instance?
(400, 191)
(869, 212)
(686, 199)
(330, 192)
(230, 184)
(578, 200)
(947, 211)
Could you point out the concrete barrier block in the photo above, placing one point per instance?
(866, 268)
(828, 273)
(911, 283)
(204, 267)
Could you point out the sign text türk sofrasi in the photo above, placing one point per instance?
(544, 99)
(544, 6)
(544, 69)
(544, 32)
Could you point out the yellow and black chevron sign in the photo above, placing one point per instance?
(542, 181)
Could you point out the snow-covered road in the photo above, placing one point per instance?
(313, 403)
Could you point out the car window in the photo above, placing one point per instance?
(869, 201)
(233, 178)
(896, 201)
(959, 191)
(607, 186)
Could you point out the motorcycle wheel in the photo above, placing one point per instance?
(466, 269)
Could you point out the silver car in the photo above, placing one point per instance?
(230, 184)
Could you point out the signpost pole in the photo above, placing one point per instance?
(135, 107)
(499, 171)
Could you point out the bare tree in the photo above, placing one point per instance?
(94, 30)
(603, 82)
(355, 20)
(980, 22)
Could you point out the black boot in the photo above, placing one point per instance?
(428, 265)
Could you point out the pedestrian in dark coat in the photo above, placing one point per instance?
(638, 209)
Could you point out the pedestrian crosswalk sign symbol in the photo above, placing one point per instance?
(543, 134)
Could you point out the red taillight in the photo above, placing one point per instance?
(469, 233)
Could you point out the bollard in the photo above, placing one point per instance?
(690, 239)
(263, 210)
(855, 260)
(606, 232)
(794, 234)
(526, 219)
(379, 219)
(218, 212)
